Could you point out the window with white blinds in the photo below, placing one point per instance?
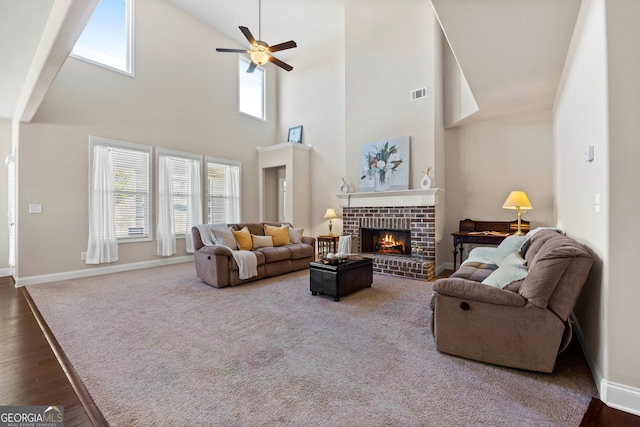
(181, 189)
(131, 175)
(223, 191)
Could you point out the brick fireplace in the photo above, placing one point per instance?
(412, 210)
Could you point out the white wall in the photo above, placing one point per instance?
(5, 150)
(183, 97)
(313, 95)
(598, 104)
(487, 160)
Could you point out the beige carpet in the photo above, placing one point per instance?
(158, 347)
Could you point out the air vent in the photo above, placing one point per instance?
(418, 94)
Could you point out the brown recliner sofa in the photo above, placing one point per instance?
(216, 266)
(523, 325)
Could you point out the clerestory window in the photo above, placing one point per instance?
(107, 40)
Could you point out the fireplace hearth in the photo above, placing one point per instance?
(386, 241)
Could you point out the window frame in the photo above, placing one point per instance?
(226, 162)
(123, 145)
(243, 64)
(130, 44)
(177, 154)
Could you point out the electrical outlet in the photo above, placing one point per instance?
(83, 256)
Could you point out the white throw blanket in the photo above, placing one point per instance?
(247, 264)
(344, 244)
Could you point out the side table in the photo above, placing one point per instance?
(327, 243)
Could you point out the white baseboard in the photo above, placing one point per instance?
(5, 272)
(98, 271)
(618, 396)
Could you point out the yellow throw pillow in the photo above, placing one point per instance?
(243, 238)
(280, 234)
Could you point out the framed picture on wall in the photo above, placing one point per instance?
(295, 134)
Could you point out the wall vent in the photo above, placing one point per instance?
(418, 94)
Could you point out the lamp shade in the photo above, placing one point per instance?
(517, 200)
(330, 213)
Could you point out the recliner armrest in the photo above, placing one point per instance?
(476, 291)
(215, 250)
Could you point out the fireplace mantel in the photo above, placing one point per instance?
(419, 197)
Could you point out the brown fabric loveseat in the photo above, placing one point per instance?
(216, 266)
(524, 324)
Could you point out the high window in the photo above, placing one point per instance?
(223, 191)
(251, 90)
(107, 38)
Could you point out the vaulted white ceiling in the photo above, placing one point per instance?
(511, 51)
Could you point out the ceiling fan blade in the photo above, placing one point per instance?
(280, 64)
(282, 46)
(252, 67)
(248, 35)
(220, 49)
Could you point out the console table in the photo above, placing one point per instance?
(483, 233)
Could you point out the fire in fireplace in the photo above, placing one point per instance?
(386, 241)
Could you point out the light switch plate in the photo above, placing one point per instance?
(35, 209)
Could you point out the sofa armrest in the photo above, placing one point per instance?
(309, 240)
(476, 291)
(215, 250)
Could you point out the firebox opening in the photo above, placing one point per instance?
(386, 241)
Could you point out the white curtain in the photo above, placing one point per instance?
(194, 203)
(165, 235)
(233, 186)
(103, 244)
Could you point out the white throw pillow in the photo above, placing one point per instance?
(224, 238)
(508, 246)
(261, 241)
(506, 274)
(295, 234)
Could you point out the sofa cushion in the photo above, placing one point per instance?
(224, 238)
(243, 238)
(548, 268)
(275, 254)
(280, 234)
(255, 228)
(476, 271)
(261, 241)
(300, 250)
(508, 246)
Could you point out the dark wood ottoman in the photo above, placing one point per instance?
(340, 279)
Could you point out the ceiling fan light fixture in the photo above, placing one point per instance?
(259, 55)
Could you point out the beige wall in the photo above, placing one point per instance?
(5, 150)
(183, 97)
(487, 160)
(597, 104)
(313, 95)
(391, 51)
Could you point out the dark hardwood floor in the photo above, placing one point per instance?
(30, 373)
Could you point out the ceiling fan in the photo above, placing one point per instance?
(259, 51)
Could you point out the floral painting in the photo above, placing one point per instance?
(384, 165)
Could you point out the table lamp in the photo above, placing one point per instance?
(331, 214)
(519, 201)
